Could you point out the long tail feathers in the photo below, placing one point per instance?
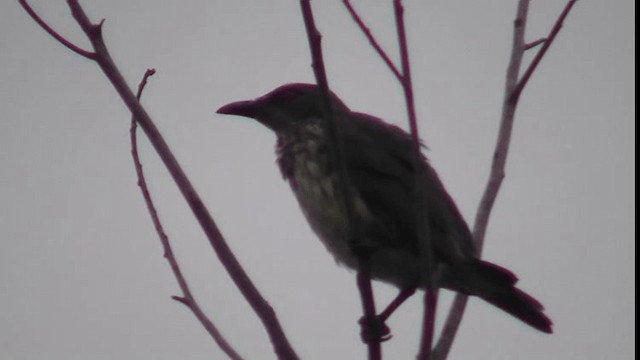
(521, 305)
(496, 285)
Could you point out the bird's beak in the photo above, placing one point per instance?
(247, 108)
(256, 109)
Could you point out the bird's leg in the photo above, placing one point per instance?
(403, 295)
(375, 329)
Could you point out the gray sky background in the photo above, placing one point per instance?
(81, 270)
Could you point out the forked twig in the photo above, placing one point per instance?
(513, 90)
(404, 78)
(543, 50)
(459, 304)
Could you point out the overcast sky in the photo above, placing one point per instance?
(81, 270)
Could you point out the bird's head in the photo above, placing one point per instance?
(285, 106)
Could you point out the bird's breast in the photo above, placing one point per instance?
(306, 164)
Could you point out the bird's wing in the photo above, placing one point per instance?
(380, 164)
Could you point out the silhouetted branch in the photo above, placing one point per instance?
(260, 306)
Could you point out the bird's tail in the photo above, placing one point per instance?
(496, 285)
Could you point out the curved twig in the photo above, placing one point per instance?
(187, 298)
(68, 44)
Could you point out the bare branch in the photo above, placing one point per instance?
(187, 299)
(364, 273)
(68, 44)
(372, 40)
(260, 306)
(497, 174)
(512, 92)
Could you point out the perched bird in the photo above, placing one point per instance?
(380, 163)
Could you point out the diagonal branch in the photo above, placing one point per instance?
(259, 305)
(372, 40)
(187, 297)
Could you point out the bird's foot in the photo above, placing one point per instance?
(374, 330)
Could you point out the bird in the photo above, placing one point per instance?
(379, 160)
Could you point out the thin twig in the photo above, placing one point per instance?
(187, 298)
(364, 275)
(68, 44)
(142, 85)
(535, 43)
(260, 306)
(372, 40)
